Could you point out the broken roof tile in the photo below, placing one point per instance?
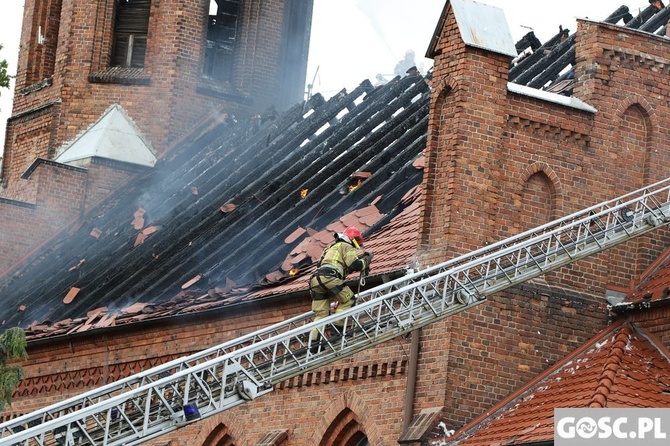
(72, 268)
(107, 320)
(138, 219)
(191, 282)
(294, 235)
(274, 276)
(69, 297)
(134, 308)
(420, 162)
(228, 207)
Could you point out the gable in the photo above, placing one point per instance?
(113, 137)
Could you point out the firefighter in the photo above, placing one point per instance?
(327, 283)
(657, 5)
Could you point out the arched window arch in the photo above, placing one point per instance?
(345, 430)
(537, 200)
(632, 148)
(220, 436)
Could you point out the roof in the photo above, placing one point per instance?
(622, 366)
(231, 210)
(651, 288)
(550, 66)
(547, 66)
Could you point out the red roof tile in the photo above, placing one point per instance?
(617, 368)
(71, 295)
(294, 235)
(652, 286)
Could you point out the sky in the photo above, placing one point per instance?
(354, 40)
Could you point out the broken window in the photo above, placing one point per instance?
(130, 33)
(221, 34)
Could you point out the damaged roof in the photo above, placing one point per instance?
(233, 208)
(622, 366)
(550, 65)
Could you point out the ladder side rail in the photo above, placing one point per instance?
(455, 280)
(136, 397)
(134, 402)
(581, 252)
(122, 385)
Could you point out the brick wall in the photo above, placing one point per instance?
(500, 163)
(502, 344)
(58, 200)
(656, 320)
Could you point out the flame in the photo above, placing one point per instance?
(303, 193)
(353, 187)
(293, 271)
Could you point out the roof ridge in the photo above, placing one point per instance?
(614, 360)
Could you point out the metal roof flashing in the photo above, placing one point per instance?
(483, 26)
(114, 136)
(567, 101)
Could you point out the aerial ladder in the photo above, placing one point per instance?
(159, 400)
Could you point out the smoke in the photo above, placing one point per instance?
(402, 28)
(384, 17)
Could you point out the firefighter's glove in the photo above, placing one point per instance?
(367, 258)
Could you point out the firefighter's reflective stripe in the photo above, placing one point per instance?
(339, 256)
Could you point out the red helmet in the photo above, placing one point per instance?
(354, 235)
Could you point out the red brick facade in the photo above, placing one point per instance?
(498, 163)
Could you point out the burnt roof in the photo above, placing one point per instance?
(219, 206)
(549, 65)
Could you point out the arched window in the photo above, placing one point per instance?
(131, 27)
(345, 430)
(220, 436)
(537, 200)
(632, 149)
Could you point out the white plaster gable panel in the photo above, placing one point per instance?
(114, 136)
